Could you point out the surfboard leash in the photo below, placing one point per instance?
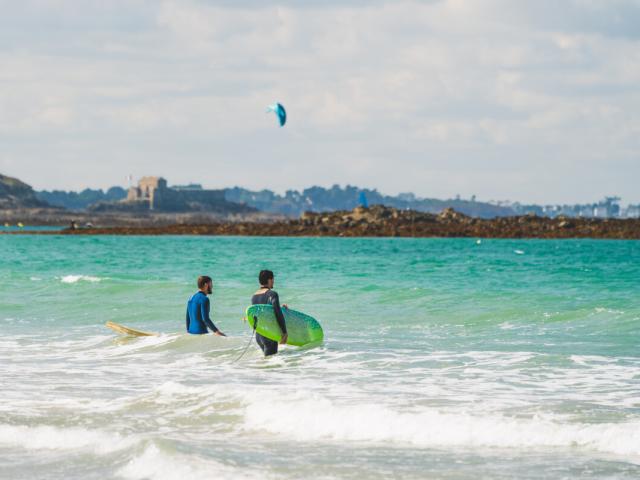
(255, 325)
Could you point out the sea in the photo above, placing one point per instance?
(443, 358)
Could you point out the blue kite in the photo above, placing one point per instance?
(279, 110)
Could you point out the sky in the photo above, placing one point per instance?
(530, 101)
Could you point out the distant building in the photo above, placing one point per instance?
(152, 193)
(632, 211)
(607, 208)
(586, 211)
(149, 190)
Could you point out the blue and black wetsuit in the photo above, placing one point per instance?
(268, 346)
(198, 309)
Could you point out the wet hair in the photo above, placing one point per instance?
(203, 280)
(265, 276)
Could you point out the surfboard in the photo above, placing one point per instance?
(129, 331)
(302, 328)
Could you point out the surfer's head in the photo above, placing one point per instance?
(205, 284)
(266, 278)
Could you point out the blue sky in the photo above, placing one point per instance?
(521, 100)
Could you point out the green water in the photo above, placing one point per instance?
(443, 358)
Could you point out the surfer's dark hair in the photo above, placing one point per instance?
(265, 276)
(203, 280)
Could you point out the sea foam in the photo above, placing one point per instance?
(320, 419)
(155, 464)
(46, 437)
(79, 278)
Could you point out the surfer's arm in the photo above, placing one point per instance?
(206, 308)
(275, 301)
(187, 319)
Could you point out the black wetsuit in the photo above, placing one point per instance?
(268, 346)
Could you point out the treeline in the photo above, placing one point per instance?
(319, 199)
(293, 203)
(81, 200)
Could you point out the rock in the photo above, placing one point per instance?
(16, 194)
(451, 214)
(360, 210)
(383, 221)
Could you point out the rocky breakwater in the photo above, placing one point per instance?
(391, 222)
(380, 221)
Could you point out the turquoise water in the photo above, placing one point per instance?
(27, 228)
(443, 358)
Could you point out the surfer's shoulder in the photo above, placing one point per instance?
(197, 297)
(272, 294)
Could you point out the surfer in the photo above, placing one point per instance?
(198, 308)
(266, 296)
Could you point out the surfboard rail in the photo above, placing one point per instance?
(132, 332)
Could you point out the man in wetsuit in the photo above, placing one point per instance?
(198, 309)
(265, 295)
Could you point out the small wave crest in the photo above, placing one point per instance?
(79, 278)
(155, 464)
(321, 419)
(46, 437)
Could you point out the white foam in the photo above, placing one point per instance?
(608, 310)
(172, 388)
(519, 252)
(318, 419)
(79, 278)
(54, 438)
(140, 345)
(154, 464)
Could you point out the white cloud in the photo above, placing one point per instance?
(497, 98)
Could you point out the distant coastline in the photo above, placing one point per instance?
(154, 202)
(381, 221)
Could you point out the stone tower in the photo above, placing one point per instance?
(150, 189)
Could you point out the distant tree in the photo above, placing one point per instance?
(80, 201)
(320, 199)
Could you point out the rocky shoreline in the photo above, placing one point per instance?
(58, 217)
(380, 221)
